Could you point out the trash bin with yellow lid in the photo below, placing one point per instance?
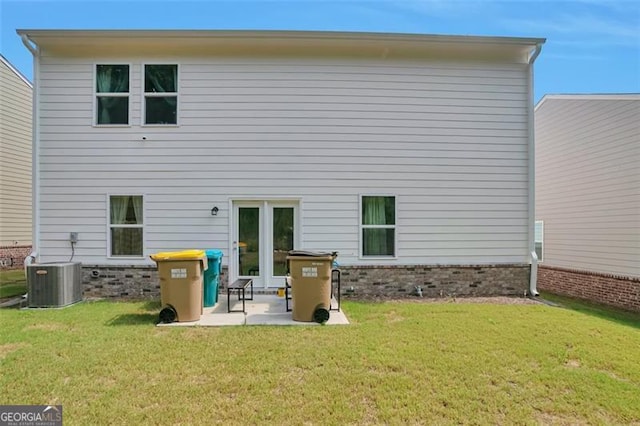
(180, 274)
(310, 285)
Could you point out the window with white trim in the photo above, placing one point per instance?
(378, 225)
(126, 225)
(160, 94)
(112, 94)
(539, 238)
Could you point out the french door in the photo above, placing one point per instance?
(263, 234)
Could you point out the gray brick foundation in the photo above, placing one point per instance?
(119, 282)
(124, 283)
(141, 282)
(435, 281)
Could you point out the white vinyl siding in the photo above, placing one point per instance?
(588, 180)
(15, 157)
(449, 139)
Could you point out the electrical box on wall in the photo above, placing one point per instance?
(73, 237)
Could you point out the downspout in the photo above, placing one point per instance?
(533, 277)
(35, 150)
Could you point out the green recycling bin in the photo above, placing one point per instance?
(211, 277)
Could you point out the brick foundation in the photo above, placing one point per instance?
(131, 282)
(124, 283)
(435, 281)
(618, 291)
(141, 282)
(12, 257)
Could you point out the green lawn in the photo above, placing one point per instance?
(397, 363)
(12, 283)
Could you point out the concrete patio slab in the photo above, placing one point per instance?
(264, 309)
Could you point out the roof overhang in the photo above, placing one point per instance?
(280, 43)
(589, 97)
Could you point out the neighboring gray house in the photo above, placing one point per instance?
(588, 196)
(16, 105)
(410, 155)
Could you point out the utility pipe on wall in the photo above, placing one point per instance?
(35, 146)
(533, 277)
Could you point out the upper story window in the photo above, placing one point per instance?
(378, 226)
(112, 94)
(160, 94)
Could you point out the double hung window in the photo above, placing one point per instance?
(126, 225)
(378, 226)
(112, 94)
(160, 94)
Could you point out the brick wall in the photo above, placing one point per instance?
(12, 257)
(395, 281)
(130, 283)
(618, 291)
(436, 281)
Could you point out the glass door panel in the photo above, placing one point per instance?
(248, 241)
(283, 237)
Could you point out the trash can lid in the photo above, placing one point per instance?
(179, 255)
(214, 254)
(311, 253)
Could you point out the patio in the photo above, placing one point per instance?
(264, 309)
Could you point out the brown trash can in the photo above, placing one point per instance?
(310, 284)
(180, 279)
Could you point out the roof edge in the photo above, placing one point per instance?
(590, 96)
(15, 71)
(289, 34)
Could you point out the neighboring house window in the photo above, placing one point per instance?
(126, 225)
(539, 238)
(378, 225)
(112, 94)
(161, 94)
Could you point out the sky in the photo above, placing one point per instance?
(593, 46)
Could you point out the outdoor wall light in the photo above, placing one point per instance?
(214, 211)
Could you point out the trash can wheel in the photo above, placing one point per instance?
(168, 315)
(321, 315)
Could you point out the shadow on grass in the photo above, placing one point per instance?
(151, 306)
(631, 319)
(8, 290)
(134, 319)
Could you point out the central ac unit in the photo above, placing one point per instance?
(54, 284)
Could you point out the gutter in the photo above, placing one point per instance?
(533, 277)
(35, 148)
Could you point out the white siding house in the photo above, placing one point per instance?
(397, 151)
(588, 196)
(15, 165)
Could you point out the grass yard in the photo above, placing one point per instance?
(12, 283)
(426, 363)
